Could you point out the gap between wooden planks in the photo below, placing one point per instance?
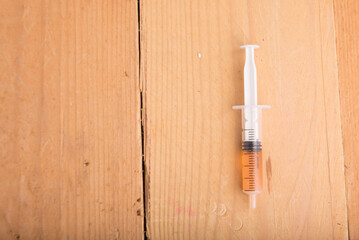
(347, 28)
(191, 71)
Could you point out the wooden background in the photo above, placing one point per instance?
(116, 119)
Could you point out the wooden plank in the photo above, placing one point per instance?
(191, 72)
(70, 120)
(347, 27)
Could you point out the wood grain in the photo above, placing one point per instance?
(70, 120)
(347, 28)
(191, 71)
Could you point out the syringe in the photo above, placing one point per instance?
(251, 130)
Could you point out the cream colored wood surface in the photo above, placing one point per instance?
(191, 75)
(70, 120)
(347, 27)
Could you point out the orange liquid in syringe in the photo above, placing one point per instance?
(252, 170)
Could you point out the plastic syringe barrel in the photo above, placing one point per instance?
(252, 123)
(251, 113)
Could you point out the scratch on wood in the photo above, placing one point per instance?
(269, 172)
(44, 147)
(222, 210)
(237, 225)
(214, 208)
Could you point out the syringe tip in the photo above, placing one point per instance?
(252, 201)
